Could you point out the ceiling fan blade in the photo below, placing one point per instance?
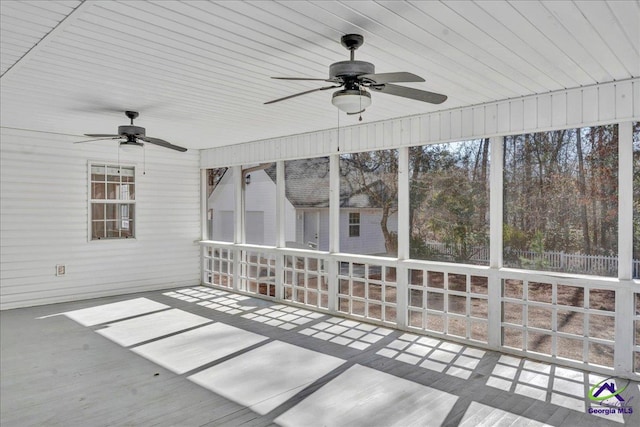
(407, 92)
(101, 135)
(399, 77)
(302, 93)
(305, 79)
(162, 143)
(110, 137)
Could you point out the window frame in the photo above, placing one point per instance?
(119, 203)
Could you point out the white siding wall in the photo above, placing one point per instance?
(371, 240)
(222, 201)
(588, 106)
(44, 221)
(260, 196)
(323, 236)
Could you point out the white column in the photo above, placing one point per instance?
(403, 203)
(334, 229)
(238, 222)
(625, 200)
(204, 222)
(280, 205)
(625, 303)
(402, 272)
(334, 203)
(280, 227)
(495, 241)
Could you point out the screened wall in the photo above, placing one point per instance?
(526, 242)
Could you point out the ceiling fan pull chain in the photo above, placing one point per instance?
(338, 138)
(144, 160)
(360, 97)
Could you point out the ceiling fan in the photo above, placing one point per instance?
(132, 135)
(355, 77)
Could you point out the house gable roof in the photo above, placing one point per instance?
(307, 184)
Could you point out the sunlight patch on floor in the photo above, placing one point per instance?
(144, 328)
(267, 376)
(436, 355)
(115, 311)
(347, 332)
(479, 415)
(283, 316)
(362, 396)
(232, 304)
(189, 350)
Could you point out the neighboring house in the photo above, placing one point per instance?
(306, 210)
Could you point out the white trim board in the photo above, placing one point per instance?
(586, 106)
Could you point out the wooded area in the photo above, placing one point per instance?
(560, 196)
(636, 191)
(449, 199)
(560, 193)
(373, 174)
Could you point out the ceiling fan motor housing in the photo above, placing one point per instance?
(350, 69)
(131, 130)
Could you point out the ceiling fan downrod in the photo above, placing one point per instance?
(352, 42)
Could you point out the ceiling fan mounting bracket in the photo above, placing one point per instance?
(352, 41)
(131, 115)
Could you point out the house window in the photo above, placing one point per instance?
(354, 224)
(112, 192)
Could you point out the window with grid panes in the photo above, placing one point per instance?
(112, 193)
(354, 224)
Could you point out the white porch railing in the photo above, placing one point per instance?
(559, 318)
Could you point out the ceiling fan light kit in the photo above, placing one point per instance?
(351, 101)
(130, 146)
(354, 77)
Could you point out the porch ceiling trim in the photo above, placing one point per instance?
(584, 106)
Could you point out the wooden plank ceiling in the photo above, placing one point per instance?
(199, 72)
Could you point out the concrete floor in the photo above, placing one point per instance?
(199, 356)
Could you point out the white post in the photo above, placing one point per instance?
(625, 298)
(402, 272)
(238, 222)
(495, 242)
(334, 228)
(204, 222)
(280, 227)
(280, 205)
(334, 203)
(625, 200)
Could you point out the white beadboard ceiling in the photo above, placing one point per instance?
(199, 71)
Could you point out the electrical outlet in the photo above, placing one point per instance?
(61, 269)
